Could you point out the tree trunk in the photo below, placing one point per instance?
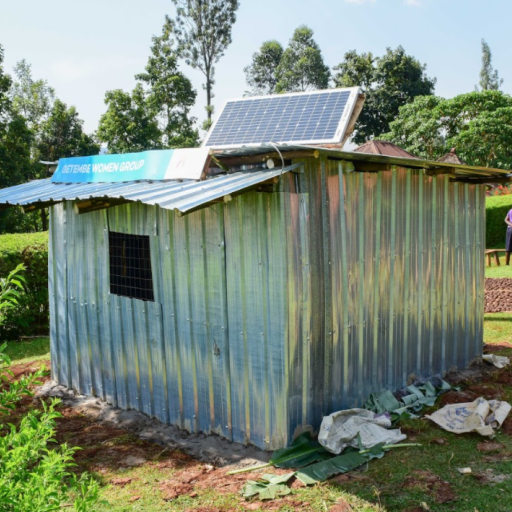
(44, 219)
(208, 97)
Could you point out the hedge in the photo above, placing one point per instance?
(496, 208)
(32, 315)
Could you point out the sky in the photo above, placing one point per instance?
(84, 49)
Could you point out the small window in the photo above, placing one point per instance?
(130, 266)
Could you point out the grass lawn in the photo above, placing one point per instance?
(28, 350)
(495, 271)
(412, 479)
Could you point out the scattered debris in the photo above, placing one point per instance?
(439, 441)
(312, 473)
(480, 416)
(357, 428)
(498, 361)
(303, 451)
(464, 471)
(121, 481)
(267, 487)
(414, 401)
(489, 477)
(132, 461)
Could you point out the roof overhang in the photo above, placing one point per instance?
(185, 196)
(365, 162)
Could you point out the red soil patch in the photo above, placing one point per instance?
(440, 490)
(489, 447)
(491, 348)
(457, 397)
(486, 391)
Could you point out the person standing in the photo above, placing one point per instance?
(508, 242)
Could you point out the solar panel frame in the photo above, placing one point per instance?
(286, 99)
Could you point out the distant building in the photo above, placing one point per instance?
(383, 147)
(452, 158)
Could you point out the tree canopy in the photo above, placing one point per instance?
(170, 94)
(156, 114)
(302, 66)
(389, 82)
(261, 74)
(62, 135)
(478, 125)
(489, 79)
(129, 124)
(203, 30)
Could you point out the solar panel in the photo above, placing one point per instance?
(317, 117)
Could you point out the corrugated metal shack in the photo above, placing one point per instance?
(313, 286)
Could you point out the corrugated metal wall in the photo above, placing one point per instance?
(275, 308)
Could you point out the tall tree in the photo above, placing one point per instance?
(389, 82)
(489, 79)
(203, 30)
(62, 135)
(129, 124)
(477, 124)
(302, 66)
(15, 163)
(15, 137)
(261, 74)
(170, 93)
(33, 99)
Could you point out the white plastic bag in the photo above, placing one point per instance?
(341, 429)
(480, 416)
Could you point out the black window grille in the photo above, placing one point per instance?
(130, 266)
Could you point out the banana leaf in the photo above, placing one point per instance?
(300, 453)
(268, 487)
(414, 401)
(344, 463)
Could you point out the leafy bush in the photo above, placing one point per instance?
(496, 209)
(31, 316)
(34, 477)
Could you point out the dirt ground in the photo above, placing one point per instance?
(107, 448)
(498, 295)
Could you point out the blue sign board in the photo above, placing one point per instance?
(165, 164)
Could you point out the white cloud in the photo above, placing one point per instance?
(360, 1)
(414, 3)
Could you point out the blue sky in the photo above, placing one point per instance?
(86, 48)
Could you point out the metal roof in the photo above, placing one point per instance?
(460, 170)
(183, 195)
(383, 147)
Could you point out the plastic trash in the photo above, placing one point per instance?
(346, 428)
(480, 416)
(498, 361)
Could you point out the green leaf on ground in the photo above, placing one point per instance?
(268, 487)
(300, 453)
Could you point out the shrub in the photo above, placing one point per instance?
(496, 209)
(31, 316)
(34, 476)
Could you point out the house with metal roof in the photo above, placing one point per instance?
(250, 290)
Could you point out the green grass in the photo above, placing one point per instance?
(502, 271)
(28, 350)
(386, 485)
(498, 328)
